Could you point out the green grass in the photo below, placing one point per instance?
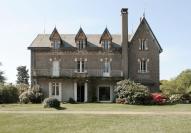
(66, 123)
(98, 107)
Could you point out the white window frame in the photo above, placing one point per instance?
(81, 63)
(143, 44)
(143, 65)
(55, 90)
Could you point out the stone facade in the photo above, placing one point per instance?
(86, 67)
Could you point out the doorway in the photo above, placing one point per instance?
(80, 92)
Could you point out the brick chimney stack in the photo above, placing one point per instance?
(124, 41)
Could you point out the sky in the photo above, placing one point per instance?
(22, 20)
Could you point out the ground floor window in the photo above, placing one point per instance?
(104, 93)
(55, 89)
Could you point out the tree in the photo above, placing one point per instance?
(179, 85)
(2, 78)
(22, 75)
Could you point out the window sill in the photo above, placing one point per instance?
(143, 72)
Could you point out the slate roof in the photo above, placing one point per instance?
(42, 40)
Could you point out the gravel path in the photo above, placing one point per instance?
(96, 112)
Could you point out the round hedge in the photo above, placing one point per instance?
(51, 103)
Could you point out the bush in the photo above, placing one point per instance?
(51, 103)
(33, 95)
(134, 93)
(71, 100)
(121, 100)
(8, 94)
(175, 98)
(159, 98)
(22, 88)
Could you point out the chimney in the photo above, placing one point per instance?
(124, 42)
(124, 14)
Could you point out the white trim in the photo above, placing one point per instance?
(60, 91)
(75, 91)
(86, 92)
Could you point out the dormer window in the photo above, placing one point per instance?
(55, 39)
(81, 44)
(56, 45)
(106, 44)
(106, 39)
(81, 40)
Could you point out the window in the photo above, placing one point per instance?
(56, 44)
(55, 89)
(55, 69)
(143, 65)
(106, 68)
(81, 66)
(105, 44)
(81, 44)
(143, 44)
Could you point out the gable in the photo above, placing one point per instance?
(55, 36)
(105, 35)
(142, 25)
(80, 35)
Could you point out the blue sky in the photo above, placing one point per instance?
(22, 20)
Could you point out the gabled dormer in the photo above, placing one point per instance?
(81, 39)
(106, 39)
(55, 39)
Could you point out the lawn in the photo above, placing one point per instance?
(84, 123)
(66, 123)
(98, 107)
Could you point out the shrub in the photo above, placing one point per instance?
(121, 100)
(159, 98)
(33, 95)
(22, 88)
(134, 93)
(71, 100)
(8, 94)
(51, 103)
(175, 98)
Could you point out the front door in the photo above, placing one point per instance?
(80, 92)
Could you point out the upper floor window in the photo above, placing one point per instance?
(81, 65)
(143, 65)
(55, 69)
(143, 44)
(106, 68)
(105, 44)
(81, 44)
(56, 44)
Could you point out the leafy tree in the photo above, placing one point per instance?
(179, 85)
(2, 78)
(22, 75)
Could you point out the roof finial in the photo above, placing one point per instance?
(144, 14)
